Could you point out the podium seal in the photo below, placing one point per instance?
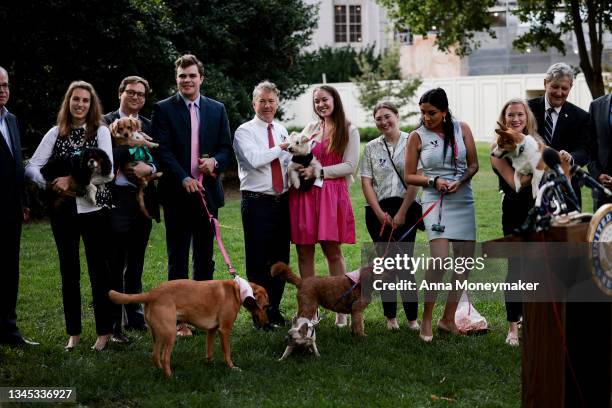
(600, 237)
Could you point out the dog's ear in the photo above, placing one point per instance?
(303, 329)
(135, 124)
(113, 127)
(304, 139)
(105, 163)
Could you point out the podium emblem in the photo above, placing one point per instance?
(600, 238)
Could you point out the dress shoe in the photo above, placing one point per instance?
(73, 341)
(18, 341)
(119, 337)
(276, 318)
(101, 343)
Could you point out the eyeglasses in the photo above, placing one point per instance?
(132, 94)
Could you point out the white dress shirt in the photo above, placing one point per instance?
(254, 156)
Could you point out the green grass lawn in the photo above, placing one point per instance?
(382, 369)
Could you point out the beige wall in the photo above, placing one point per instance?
(424, 59)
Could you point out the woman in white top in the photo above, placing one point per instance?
(79, 127)
(390, 203)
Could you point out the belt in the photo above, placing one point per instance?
(263, 196)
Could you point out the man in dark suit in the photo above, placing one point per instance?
(131, 229)
(11, 218)
(600, 166)
(562, 125)
(194, 136)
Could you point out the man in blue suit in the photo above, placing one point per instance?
(11, 217)
(194, 137)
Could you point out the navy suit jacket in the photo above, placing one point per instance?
(571, 132)
(11, 172)
(171, 127)
(600, 136)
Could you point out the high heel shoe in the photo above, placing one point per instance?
(73, 341)
(101, 342)
(392, 324)
(340, 320)
(426, 339)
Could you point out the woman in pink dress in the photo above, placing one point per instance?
(323, 214)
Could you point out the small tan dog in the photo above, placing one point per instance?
(208, 305)
(126, 132)
(331, 292)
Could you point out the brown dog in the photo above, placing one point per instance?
(331, 292)
(209, 305)
(126, 132)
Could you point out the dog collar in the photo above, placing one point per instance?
(521, 148)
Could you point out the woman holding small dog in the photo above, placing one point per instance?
(444, 150)
(390, 203)
(323, 214)
(79, 127)
(515, 115)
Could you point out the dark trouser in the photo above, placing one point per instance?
(515, 207)
(187, 225)
(68, 227)
(410, 299)
(10, 236)
(130, 236)
(265, 220)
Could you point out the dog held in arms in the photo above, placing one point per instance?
(208, 305)
(525, 153)
(126, 132)
(90, 171)
(337, 293)
(299, 147)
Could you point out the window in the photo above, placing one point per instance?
(347, 23)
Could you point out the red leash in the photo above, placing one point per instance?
(214, 223)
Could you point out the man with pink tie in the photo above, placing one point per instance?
(194, 137)
(261, 151)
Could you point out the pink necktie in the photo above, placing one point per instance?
(195, 140)
(277, 174)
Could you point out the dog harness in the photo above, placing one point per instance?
(305, 184)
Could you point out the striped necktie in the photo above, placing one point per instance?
(548, 126)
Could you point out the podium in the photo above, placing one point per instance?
(566, 358)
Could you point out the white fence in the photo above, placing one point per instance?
(476, 100)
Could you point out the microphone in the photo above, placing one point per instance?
(589, 181)
(552, 160)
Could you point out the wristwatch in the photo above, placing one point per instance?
(431, 182)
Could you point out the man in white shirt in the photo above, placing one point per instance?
(261, 150)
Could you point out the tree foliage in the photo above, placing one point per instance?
(457, 21)
(385, 83)
(48, 44)
(338, 64)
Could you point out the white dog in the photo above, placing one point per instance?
(525, 152)
(302, 333)
(299, 147)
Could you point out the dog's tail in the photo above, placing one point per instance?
(124, 298)
(283, 271)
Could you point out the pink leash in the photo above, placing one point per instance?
(215, 226)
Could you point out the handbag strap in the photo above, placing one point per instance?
(393, 164)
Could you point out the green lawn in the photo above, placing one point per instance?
(383, 369)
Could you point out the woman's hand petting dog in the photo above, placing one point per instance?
(64, 186)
